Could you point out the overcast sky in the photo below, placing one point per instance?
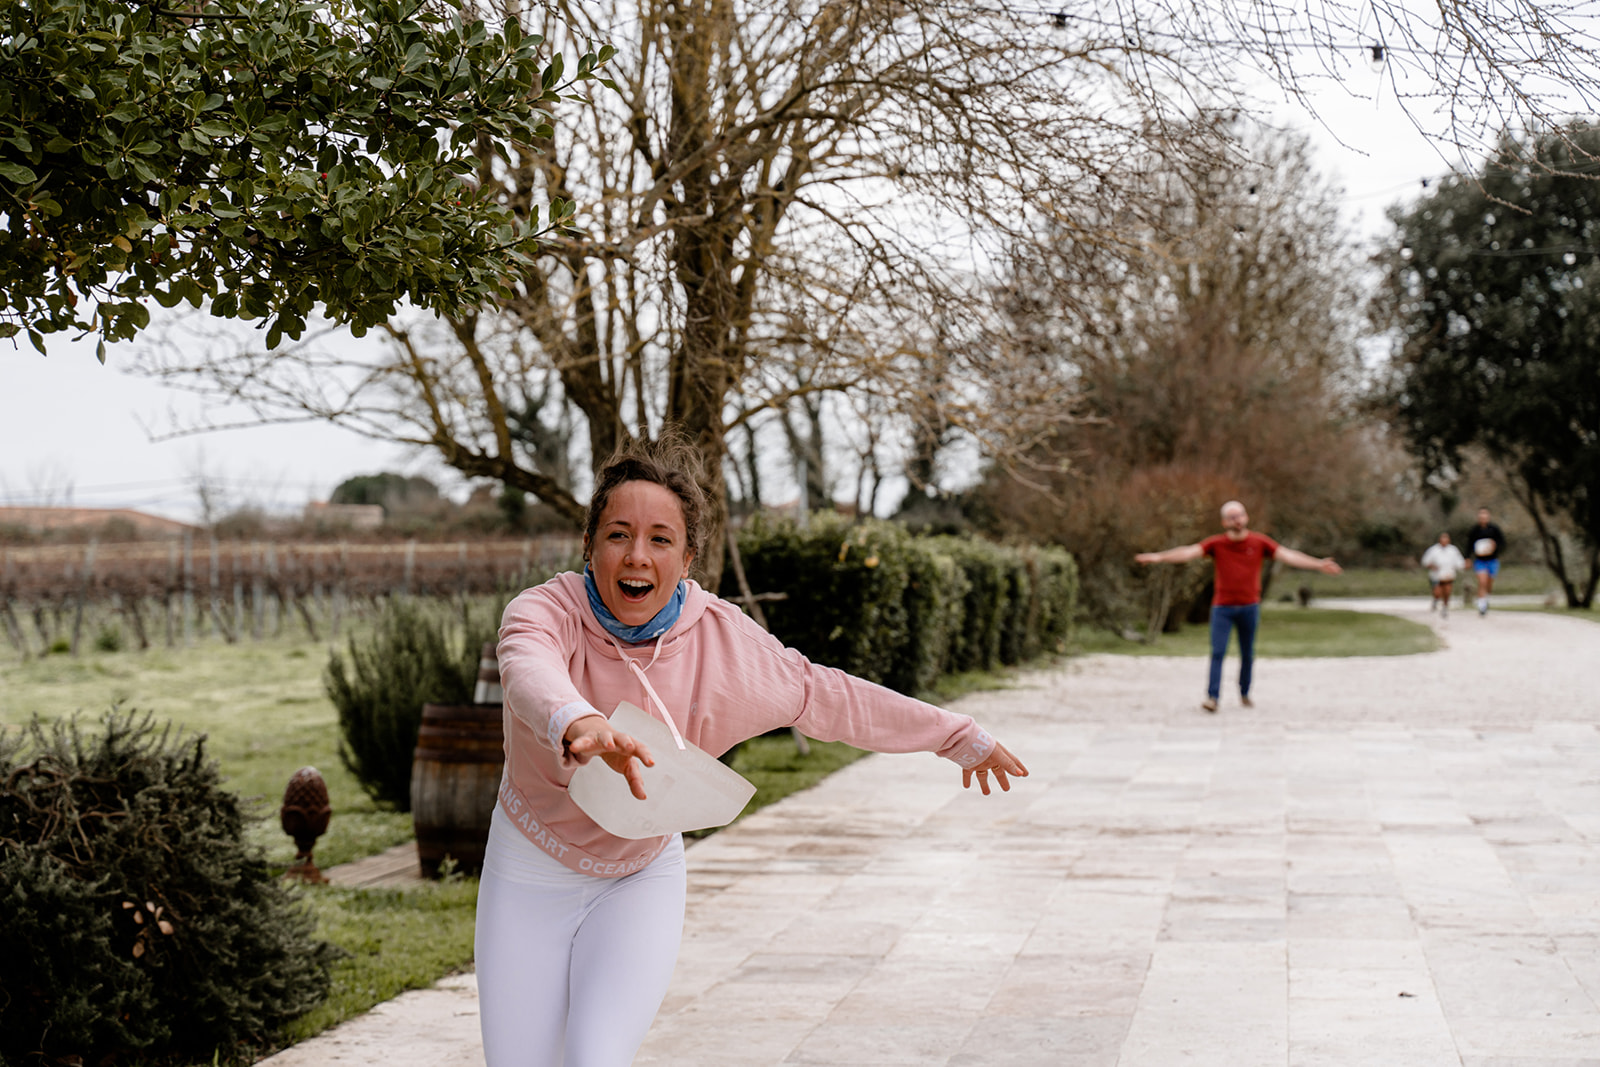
(73, 431)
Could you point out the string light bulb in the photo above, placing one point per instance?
(1377, 57)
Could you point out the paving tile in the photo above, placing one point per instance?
(1223, 1004)
(1318, 916)
(1209, 922)
(1457, 881)
(1369, 1032)
(1077, 984)
(902, 990)
(838, 932)
(1084, 1041)
(826, 975)
(1079, 918)
(931, 1041)
(705, 1039)
(1550, 1037)
(1490, 976)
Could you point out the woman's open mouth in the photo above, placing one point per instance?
(635, 590)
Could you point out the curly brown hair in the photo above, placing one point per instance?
(670, 462)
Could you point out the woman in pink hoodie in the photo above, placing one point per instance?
(577, 930)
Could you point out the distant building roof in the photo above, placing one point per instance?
(81, 518)
(354, 516)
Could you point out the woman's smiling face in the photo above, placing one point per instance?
(640, 551)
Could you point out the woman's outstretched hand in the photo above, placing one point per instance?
(593, 736)
(1001, 763)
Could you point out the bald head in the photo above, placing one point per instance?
(1235, 520)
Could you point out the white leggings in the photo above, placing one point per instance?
(571, 968)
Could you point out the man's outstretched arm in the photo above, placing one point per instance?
(1181, 554)
(1308, 563)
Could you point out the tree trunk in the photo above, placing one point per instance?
(1555, 558)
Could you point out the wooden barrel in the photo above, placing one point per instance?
(488, 690)
(455, 777)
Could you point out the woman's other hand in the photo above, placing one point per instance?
(1001, 763)
(593, 736)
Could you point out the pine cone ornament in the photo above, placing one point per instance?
(304, 817)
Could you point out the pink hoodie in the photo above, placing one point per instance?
(723, 678)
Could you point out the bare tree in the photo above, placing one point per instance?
(778, 199)
(1223, 366)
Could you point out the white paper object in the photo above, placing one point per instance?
(687, 789)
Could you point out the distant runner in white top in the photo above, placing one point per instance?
(1443, 561)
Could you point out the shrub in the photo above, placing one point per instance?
(846, 589)
(880, 603)
(988, 601)
(1056, 590)
(935, 600)
(108, 638)
(1018, 640)
(1106, 520)
(415, 655)
(137, 921)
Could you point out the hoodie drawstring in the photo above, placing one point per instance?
(655, 698)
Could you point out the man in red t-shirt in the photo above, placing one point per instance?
(1238, 555)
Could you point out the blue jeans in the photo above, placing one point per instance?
(1224, 617)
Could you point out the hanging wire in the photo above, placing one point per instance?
(1060, 19)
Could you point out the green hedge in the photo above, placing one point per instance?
(874, 600)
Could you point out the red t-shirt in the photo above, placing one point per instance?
(1238, 566)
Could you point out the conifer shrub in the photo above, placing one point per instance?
(416, 654)
(139, 927)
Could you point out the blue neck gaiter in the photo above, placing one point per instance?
(647, 631)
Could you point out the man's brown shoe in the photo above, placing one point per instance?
(1209, 703)
(1246, 701)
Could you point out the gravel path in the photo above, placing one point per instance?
(1508, 668)
(1389, 860)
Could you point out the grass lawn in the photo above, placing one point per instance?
(398, 939)
(1519, 578)
(260, 704)
(1286, 631)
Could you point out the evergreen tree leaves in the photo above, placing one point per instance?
(265, 156)
(1494, 285)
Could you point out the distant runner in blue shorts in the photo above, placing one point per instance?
(1487, 541)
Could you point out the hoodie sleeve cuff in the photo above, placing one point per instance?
(564, 717)
(973, 751)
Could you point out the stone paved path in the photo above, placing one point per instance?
(1388, 861)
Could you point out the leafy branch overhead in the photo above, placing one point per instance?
(267, 156)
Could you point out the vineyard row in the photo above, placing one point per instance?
(183, 591)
